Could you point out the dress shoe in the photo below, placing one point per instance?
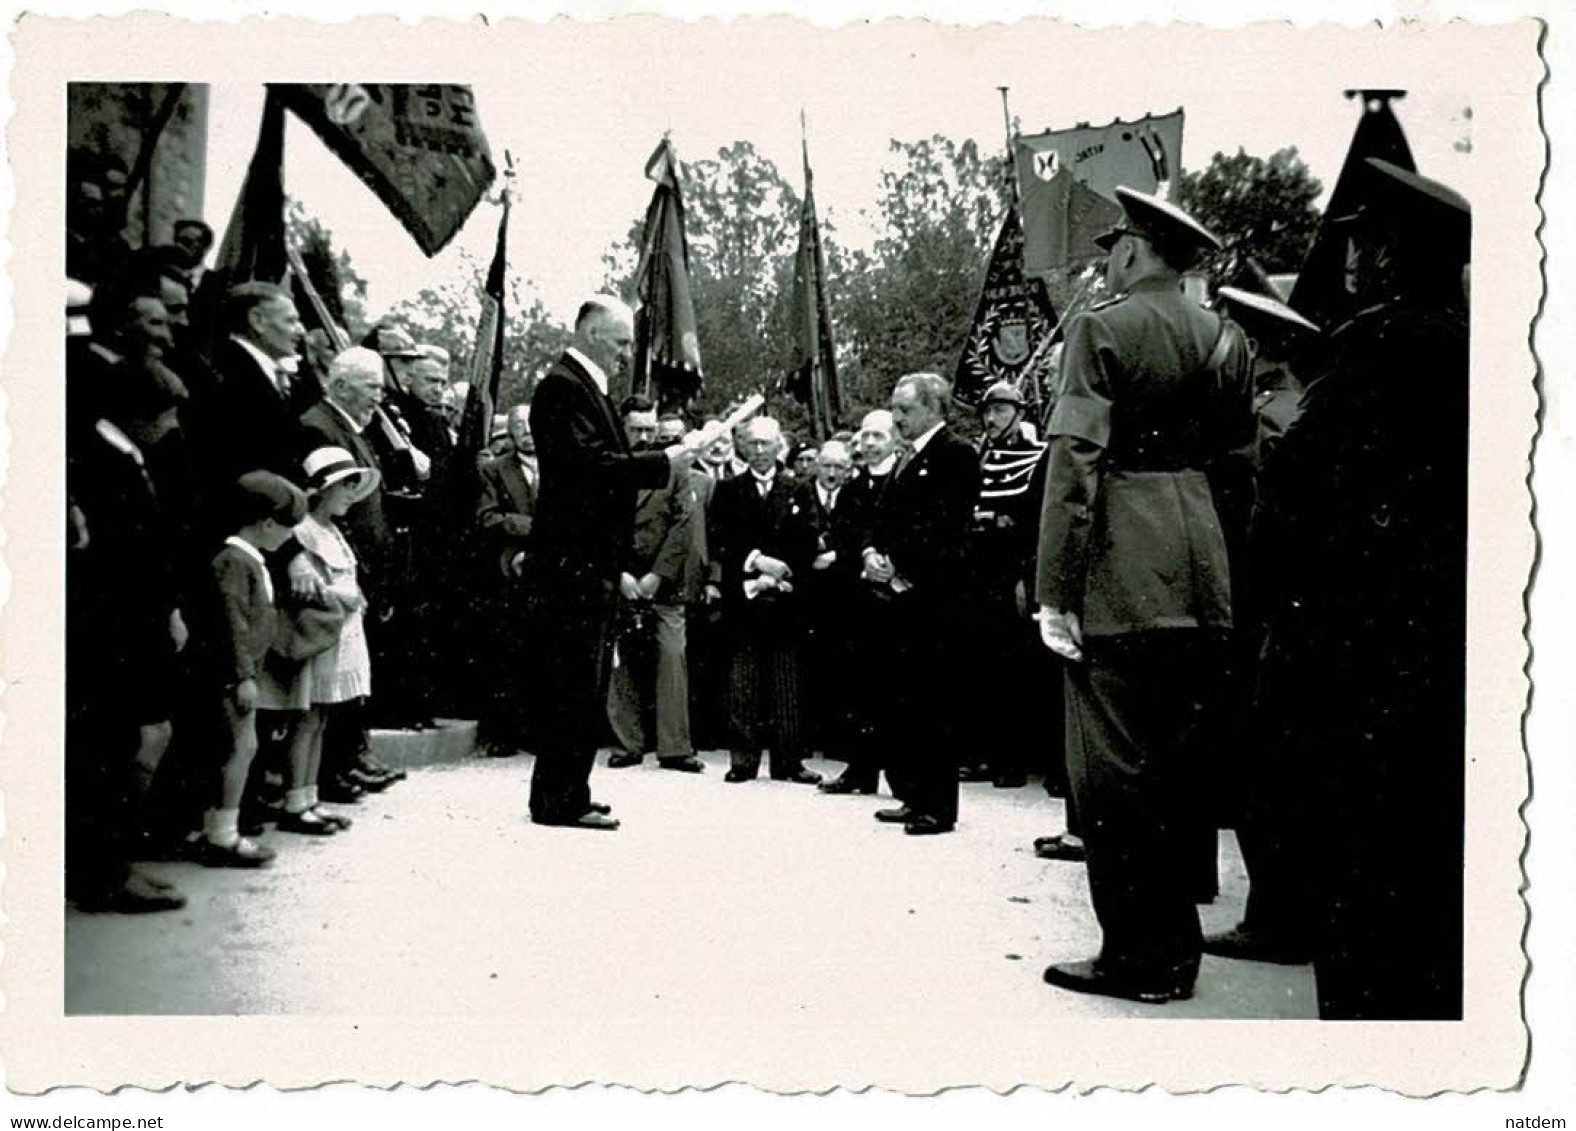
(338, 820)
(367, 763)
(1058, 847)
(841, 784)
(369, 783)
(1089, 977)
(1256, 947)
(923, 824)
(307, 824)
(244, 853)
(137, 895)
(1009, 781)
(587, 820)
(684, 763)
(622, 760)
(738, 775)
(340, 791)
(901, 815)
(800, 776)
(980, 772)
(601, 807)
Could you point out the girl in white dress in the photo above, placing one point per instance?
(344, 670)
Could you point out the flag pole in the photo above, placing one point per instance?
(1012, 160)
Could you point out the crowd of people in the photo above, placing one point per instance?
(1226, 588)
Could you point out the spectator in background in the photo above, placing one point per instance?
(653, 586)
(259, 399)
(124, 626)
(826, 558)
(189, 247)
(751, 535)
(95, 215)
(505, 513)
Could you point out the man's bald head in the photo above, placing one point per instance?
(877, 436)
(605, 332)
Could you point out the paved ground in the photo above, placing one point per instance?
(713, 898)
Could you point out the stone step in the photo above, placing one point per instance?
(453, 740)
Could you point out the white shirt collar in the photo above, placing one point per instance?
(828, 498)
(119, 440)
(269, 366)
(882, 468)
(919, 444)
(256, 555)
(350, 420)
(590, 367)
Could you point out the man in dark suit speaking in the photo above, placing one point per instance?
(585, 514)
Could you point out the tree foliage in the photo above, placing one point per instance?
(903, 304)
(908, 302)
(1263, 210)
(447, 314)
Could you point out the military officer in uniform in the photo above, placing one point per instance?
(1275, 925)
(1134, 587)
(1363, 517)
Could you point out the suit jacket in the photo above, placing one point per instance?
(243, 624)
(663, 541)
(506, 509)
(1130, 538)
(925, 516)
(742, 521)
(585, 505)
(257, 423)
(366, 524)
(815, 530)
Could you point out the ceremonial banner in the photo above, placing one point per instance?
(419, 147)
(1013, 318)
(486, 369)
(667, 349)
(812, 367)
(254, 242)
(1067, 181)
(1323, 290)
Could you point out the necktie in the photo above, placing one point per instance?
(283, 378)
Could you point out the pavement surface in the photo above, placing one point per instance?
(713, 898)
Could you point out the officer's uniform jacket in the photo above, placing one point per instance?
(1129, 535)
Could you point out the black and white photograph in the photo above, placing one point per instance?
(816, 557)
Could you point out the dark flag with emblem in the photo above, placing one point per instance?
(253, 247)
(812, 367)
(1324, 285)
(1013, 318)
(1067, 180)
(419, 147)
(667, 348)
(486, 369)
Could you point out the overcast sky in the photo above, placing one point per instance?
(581, 123)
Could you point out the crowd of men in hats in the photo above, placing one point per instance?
(1226, 588)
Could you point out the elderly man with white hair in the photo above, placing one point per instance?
(751, 530)
(585, 517)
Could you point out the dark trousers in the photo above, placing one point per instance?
(573, 651)
(764, 703)
(1138, 718)
(870, 689)
(98, 793)
(921, 723)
